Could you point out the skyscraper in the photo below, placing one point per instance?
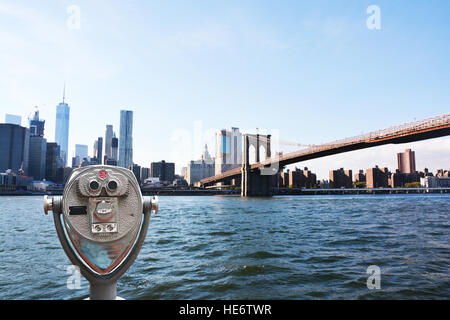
(38, 148)
(163, 170)
(108, 142)
(200, 169)
(114, 148)
(14, 150)
(13, 119)
(112, 161)
(126, 139)
(98, 150)
(36, 125)
(228, 150)
(206, 156)
(51, 162)
(62, 128)
(406, 161)
(81, 151)
(37, 157)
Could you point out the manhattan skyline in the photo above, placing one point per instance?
(313, 71)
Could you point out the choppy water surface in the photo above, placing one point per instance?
(316, 247)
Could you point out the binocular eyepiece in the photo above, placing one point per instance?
(102, 220)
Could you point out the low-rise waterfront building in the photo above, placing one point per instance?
(179, 182)
(10, 181)
(145, 173)
(377, 178)
(442, 173)
(435, 182)
(360, 176)
(398, 179)
(151, 183)
(198, 170)
(136, 169)
(302, 178)
(284, 177)
(184, 172)
(277, 181)
(163, 170)
(324, 184)
(341, 178)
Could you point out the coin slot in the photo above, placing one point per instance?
(77, 211)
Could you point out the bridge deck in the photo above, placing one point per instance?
(415, 131)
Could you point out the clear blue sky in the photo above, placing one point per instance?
(310, 69)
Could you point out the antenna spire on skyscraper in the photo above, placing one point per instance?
(62, 126)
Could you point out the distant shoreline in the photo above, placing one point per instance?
(277, 192)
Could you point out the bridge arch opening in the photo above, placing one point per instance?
(262, 153)
(252, 154)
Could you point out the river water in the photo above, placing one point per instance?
(299, 247)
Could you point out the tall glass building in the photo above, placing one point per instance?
(108, 141)
(38, 148)
(98, 150)
(37, 157)
(51, 162)
(62, 129)
(126, 139)
(81, 150)
(37, 125)
(14, 147)
(228, 150)
(13, 119)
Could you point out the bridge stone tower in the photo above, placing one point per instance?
(255, 183)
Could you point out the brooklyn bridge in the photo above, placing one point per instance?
(256, 178)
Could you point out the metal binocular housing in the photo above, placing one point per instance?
(102, 220)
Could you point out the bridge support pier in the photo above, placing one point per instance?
(253, 184)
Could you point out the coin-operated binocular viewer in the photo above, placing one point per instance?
(101, 221)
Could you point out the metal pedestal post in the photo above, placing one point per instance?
(100, 291)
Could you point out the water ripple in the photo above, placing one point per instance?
(314, 247)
